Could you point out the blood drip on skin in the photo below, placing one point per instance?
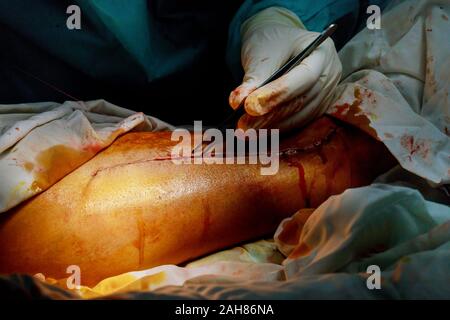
(140, 241)
(302, 183)
(310, 142)
(295, 162)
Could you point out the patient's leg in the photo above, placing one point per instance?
(123, 211)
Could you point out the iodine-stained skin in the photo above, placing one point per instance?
(124, 210)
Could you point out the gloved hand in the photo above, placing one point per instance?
(270, 39)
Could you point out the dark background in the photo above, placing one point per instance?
(198, 92)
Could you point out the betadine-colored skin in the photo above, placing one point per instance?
(123, 211)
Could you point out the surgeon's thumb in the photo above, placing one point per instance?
(258, 67)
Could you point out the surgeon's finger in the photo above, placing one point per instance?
(313, 109)
(285, 111)
(258, 66)
(240, 93)
(271, 119)
(295, 83)
(310, 111)
(315, 106)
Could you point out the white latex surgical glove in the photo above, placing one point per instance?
(269, 39)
